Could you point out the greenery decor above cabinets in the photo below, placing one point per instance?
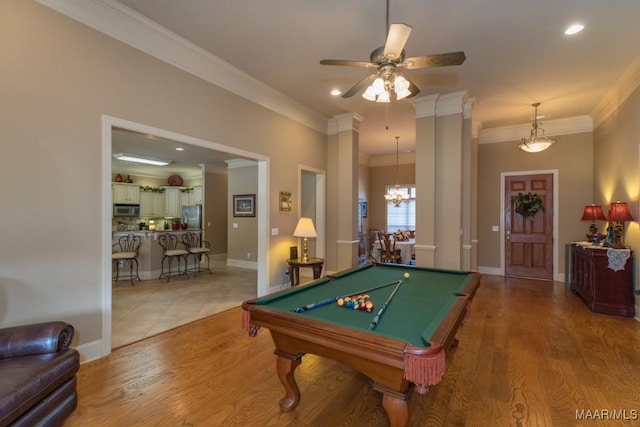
(125, 193)
(191, 197)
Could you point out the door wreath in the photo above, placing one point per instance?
(528, 204)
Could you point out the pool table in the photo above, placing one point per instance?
(405, 351)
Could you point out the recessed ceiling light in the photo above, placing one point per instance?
(179, 149)
(335, 92)
(574, 29)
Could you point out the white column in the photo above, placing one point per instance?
(342, 197)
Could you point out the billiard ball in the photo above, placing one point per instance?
(406, 275)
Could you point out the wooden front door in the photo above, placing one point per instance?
(529, 241)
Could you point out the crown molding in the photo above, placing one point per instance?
(425, 105)
(566, 126)
(451, 103)
(124, 24)
(628, 82)
(344, 122)
(364, 159)
(239, 163)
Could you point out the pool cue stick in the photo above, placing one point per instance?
(332, 300)
(376, 319)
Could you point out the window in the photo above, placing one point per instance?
(404, 216)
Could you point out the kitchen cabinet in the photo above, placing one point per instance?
(127, 194)
(193, 197)
(151, 204)
(196, 196)
(604, 290)
(172, 202)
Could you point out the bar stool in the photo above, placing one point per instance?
(171, 251)
(196, 247)
(128, 248)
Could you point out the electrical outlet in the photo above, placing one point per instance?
(248, 255)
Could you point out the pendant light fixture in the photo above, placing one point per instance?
(536, 143)
(396, 195)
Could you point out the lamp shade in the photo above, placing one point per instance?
(305, 228)
(593, 213)
(620, 212)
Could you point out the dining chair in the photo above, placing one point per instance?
(170, 252)
(197, 247)
(388, 251)
(128, 248)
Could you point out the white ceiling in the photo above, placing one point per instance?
(516, 53)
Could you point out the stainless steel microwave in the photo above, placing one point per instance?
(126, 210)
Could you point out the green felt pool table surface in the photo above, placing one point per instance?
(416, 311)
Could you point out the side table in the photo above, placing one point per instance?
(295, 264)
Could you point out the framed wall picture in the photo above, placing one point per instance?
(285, 201)
(244, 205)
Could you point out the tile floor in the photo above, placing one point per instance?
(153, 306)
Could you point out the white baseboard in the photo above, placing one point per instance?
(242, 263)
(496, 271)
(491, 271)
(90, 351)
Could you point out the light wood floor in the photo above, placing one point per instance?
(531, 354)
(153, 306)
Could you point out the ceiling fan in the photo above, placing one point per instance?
(388, 83)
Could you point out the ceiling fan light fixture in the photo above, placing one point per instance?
(401, 86)
(383, 97)
(536, 143)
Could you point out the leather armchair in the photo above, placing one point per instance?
(38, 374)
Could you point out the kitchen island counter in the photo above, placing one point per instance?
(150, 253)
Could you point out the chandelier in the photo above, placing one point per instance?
(388, 85)
(536, 143)
(396, 195)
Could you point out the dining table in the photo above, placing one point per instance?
(406, 247)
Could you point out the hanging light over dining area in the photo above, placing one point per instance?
(396, 195)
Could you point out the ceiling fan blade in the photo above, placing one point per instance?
(348, 63)
(358, 86)
(438, 60)
(396, 39)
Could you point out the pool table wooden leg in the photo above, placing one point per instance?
(396, 405)
(286, 366)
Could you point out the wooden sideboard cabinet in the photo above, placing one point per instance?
(604, 290)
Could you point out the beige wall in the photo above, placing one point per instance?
(242, 244)
(617, 169)
(215, 212)
(58, 78)
(571, 156)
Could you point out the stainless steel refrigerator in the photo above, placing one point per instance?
(192, 215)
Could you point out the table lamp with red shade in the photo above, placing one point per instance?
(593, 213)
(619, 213)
